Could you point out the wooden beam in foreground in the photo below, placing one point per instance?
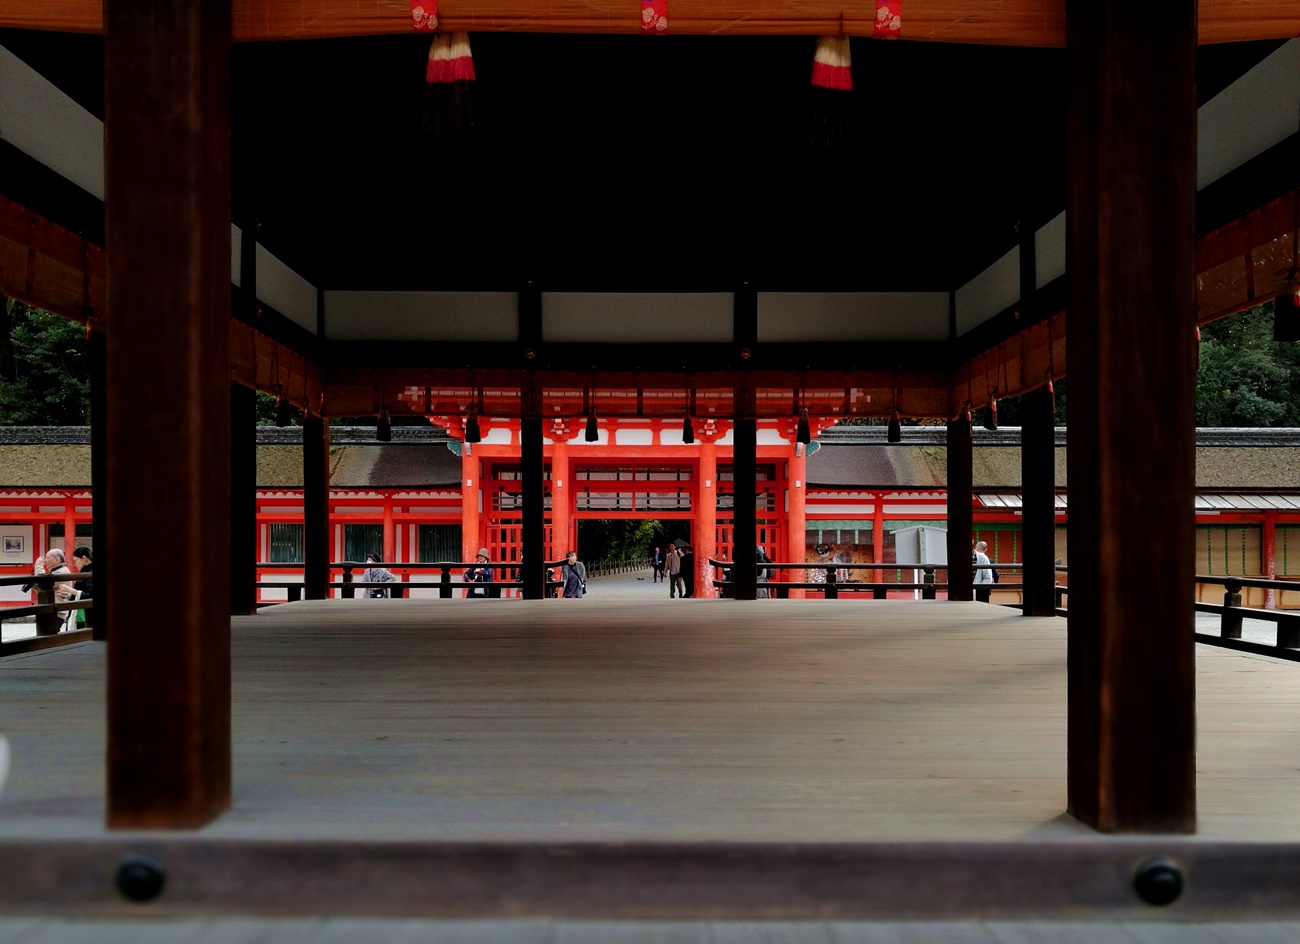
(1131, 206)
(167, 216)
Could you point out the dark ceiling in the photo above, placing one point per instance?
(636, 163)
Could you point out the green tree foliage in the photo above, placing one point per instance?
(1246, 378)
(619, 539)
(44, 374)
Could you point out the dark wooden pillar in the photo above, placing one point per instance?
(533, 470)
(1038, 501)
(960, 519)
(97, 356)
(167, 229)
(243, 500)
(1131, 206)
(316, 506)
(744, 466)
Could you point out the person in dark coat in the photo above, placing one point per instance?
(479, 573)
(574, 576)
(83, 557)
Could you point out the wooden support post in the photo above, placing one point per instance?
(561, 501)
(1038, 505)
(316, 506)
(167, 219)
(97, 616)
(243, 500)
(533, 472)
(705, 539)
(1268, 547)
(1131, 181)
(797, 542)
(960, 518)
(744, 571)
(470, 539)
(1230, 623)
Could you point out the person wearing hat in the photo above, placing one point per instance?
(479, 573)
(375, 574)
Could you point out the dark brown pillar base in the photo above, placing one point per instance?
(533, 469)
(745, 516)
(1132, 305)
(1038, 501)
(960, 516)
(167, 229)
(316, 506)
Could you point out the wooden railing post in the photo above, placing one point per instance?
(444, 592)
(47, 624)
(927, 578)
(295, 593)
(402, 591)
(1288, 632)
(832, 591)
(349, 591)
(1230, 625)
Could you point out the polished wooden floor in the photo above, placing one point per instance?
(639, 720)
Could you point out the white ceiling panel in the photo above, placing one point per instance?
(422, 316)
(852, 316)
(285, 290)
(1259, 110)
(614, 318)
(992, 291)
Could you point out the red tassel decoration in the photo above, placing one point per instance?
(832, 88)
(449, 80)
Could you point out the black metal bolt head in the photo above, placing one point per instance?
(140, 878)
(1158, 882)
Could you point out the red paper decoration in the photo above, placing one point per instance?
(424, 15)
(889, 19)
(654, 16)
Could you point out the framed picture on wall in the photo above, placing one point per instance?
(13, 544)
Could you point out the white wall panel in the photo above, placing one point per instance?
(852, 316)
(285, 290)
(1259, 110)
(1049, 251)
(422, 316)
(47, 125)
(617, 318)
(994, 289)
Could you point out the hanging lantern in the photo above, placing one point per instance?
(384, 427)
(593, 430)
(991, 415)
(284, 411)
(895, 434)
(1286, 308)
(802, 431)
(688, 431)
(832, 92)
(472, 433)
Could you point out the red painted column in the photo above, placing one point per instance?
(470, 540)
(1268, 542)
(878, 533)
(69, 528)
(706, 513)
(390, 533)
(561, 494)
(796, 541)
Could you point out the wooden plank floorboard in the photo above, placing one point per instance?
(654, 720)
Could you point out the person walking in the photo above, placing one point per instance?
(657, 563)
(574, 576)
(983, 574)
(673, 567)
(376, 574)
(479, 573)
